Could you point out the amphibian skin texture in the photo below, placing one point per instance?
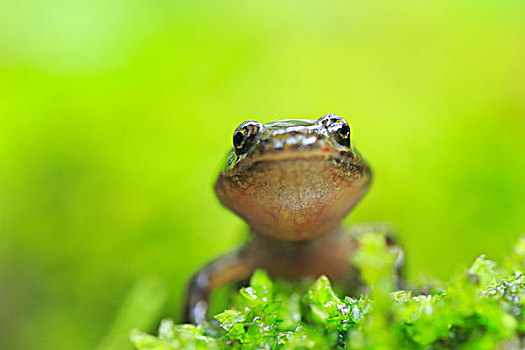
(292, 181)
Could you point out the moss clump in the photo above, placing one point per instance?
(481, 308)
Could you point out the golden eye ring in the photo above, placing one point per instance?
(337, 127)
(244, 136)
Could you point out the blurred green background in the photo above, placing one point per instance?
(115, 116)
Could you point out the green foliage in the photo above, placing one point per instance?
(481, 308)
(139, 309)
(116, 115)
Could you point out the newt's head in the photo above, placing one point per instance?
(293, 179)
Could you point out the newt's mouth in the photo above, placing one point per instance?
(302, 160)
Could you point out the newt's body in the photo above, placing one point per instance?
(292, 181)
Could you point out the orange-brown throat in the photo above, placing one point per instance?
(294, 196)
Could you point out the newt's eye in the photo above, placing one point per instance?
(337, 127)
(342, 134)
(244, 136)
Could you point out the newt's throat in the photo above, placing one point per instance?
(296, 198)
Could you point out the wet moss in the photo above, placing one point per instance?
(481, 308)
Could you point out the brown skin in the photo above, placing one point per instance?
(292, 181)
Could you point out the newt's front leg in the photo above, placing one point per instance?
(232, 267)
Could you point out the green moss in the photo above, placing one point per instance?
(481, 308)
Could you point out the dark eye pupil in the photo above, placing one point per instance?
(238, 139)
(245, 136)
(344, 131)
(342, 135)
